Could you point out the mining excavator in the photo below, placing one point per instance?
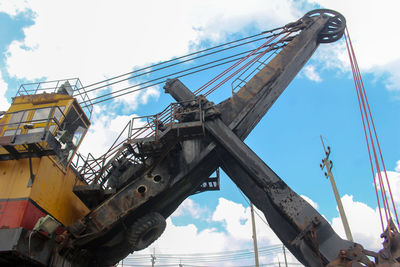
(59, 208)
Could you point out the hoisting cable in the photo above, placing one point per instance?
(162, 79)
(366, 124)
(179, 60)
(244, 66)
(371, 140)
(164, 67)
(276, 46)
(187, 55)
(266, 45)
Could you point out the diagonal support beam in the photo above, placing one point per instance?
(291, 218)
(307, 234)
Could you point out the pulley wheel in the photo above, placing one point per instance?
(334, 28)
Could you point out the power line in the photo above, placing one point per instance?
(248, 202)
(194, 258)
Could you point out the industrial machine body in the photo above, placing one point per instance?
(57, 212)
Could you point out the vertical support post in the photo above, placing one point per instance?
(156, 130)
(153, 258)
(253, 226)
(328, 174)
(284, 254)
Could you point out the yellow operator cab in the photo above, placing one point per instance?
(39, 135)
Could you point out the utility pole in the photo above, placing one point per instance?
(253, 225)
(284, 254)
(328, 174)
(153, 258)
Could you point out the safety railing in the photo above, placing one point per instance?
(72, 87)
(244, 77)
(139, 129)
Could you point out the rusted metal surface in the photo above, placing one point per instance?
(182, 116)
(19, 247)
(389, 256)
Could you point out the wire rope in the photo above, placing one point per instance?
(180, 61)
(162, 79)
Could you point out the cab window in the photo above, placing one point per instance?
(18, 117)
(58, 113)
(11, 132)
(41, 115)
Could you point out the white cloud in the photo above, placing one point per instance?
(132, 100)
(69, 41)
(397, 168)
(189, 207)
(310, 72)
(237, 233)
(394, 191)
(95, 39)
(102, 133)
(394, 180)
(364, 223)
(4, 104)
(13, 7)
(98, 39)
(151, 92)
(178, 238)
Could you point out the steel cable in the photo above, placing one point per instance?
(179, 60)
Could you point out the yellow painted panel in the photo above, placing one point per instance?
(14, 178)
(52, 190)
(31, 102)
(40, 99)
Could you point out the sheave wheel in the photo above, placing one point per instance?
(334, 29)
(146, 230)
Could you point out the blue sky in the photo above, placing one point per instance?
(95, 40)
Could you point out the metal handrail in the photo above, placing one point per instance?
(20, 124)
(94, 170)
(78, 91)
(50, 118)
